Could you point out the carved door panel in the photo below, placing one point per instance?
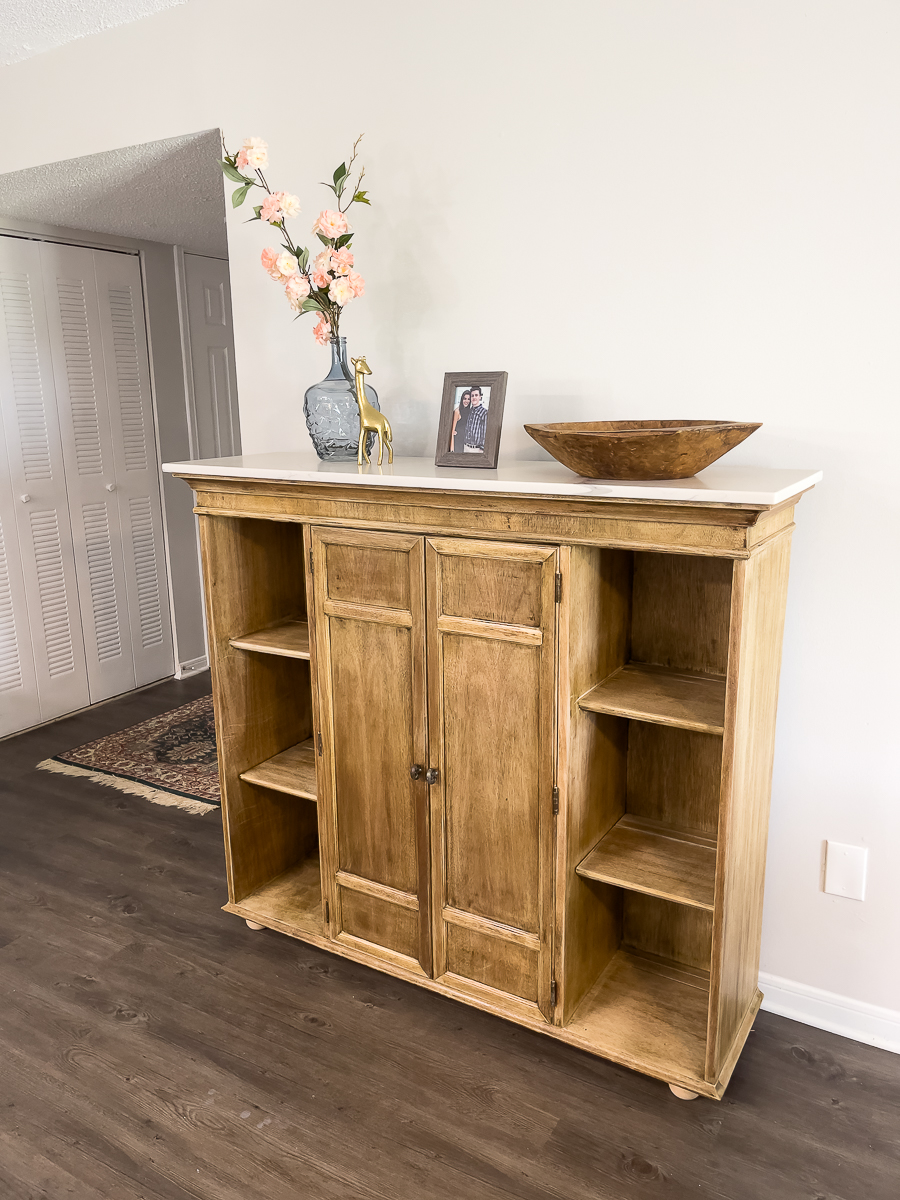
(491, 686)
(370, 647)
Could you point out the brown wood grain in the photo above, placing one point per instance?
(674, 777)
(660, 695)
(682, 606)
(288, 638)
(644, 857)
(671, 931)
(292, 771)
(595, 618)
(760, 596)
(491, 703)
(371, 661)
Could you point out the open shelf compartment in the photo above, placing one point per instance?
(645, 856)
(290, 639)
(645, 692)
(292, 900)
(648, 1011)
(292, 771)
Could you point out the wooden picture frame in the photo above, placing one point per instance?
(492, 388)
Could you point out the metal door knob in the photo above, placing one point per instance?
(431, 775)
(110, 487)
(25, 499)
(415, 771)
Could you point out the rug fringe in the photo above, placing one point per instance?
(131, 786)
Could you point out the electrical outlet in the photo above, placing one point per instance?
(845, 870)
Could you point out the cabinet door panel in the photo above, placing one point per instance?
(370, 651)
(491, 682)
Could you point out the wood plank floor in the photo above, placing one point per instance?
(154, 1048)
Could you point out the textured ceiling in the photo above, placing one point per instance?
(169, 191)
(29, 27)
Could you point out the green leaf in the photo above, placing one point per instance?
(324, 240)
(303, 259)
(310, 305)
(339, 174)
(343, 240)
(257, 208)
(328, 185)
(239, 195)
(361, 198)
(234, 173)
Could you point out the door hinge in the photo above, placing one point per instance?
(310, 560)
(555, 795)
(319, 743)
(553, 993)
(558, 587)
(327, 918)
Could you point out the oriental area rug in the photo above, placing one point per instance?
(170, 759)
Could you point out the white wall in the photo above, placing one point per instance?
(637, 208)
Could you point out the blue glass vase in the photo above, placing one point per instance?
(331, 411)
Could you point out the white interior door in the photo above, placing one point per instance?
(121, 308)
(216, 431)
(73, 314)
(38, 486)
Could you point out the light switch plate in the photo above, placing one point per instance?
(845, 870)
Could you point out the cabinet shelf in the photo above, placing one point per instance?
(661, 696)
(645, 857)
(293, 771)
(294, 899)
(290, 639)
(647, 1011)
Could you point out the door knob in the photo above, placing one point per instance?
(431, 775)
(25, 499)
(415, 771)
(110, 487)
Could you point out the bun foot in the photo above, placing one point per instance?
(253, 925)
(680, 1092)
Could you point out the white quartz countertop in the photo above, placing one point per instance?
(715, 485)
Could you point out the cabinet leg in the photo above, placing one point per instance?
(253, 925)
(680, 1092)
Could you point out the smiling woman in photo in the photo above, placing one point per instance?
(460, 421)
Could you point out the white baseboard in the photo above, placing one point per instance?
(826, 1010)
(191, 667)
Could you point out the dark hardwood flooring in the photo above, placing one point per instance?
(153, 1048)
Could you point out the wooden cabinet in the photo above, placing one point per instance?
(514, 749)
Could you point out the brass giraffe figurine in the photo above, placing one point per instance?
(370, 419)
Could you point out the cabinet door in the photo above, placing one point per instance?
(370, 652)
(491, 684)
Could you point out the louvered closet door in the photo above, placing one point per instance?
(37, 483)
(137, 465)
(73, 314)
(19, 705)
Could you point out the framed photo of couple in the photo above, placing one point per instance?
(471, 417)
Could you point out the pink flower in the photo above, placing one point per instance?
(357, 283)
(290, 205)
(286, 264)
(342, 261)
(242, 161)
(322, 262)
(269, 259)
(339, 291)
(297, 289)
(320, 279)
(270, 208)
(256, 151)
(322, 331)
(331, 224)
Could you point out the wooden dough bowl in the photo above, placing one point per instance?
(640, 449)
